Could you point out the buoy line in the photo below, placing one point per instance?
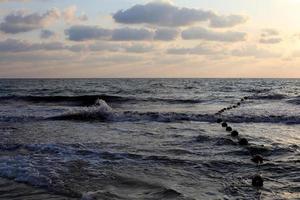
(257, 179)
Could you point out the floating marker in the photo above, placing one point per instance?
(258, 159)
(234, 133)
(224, 124)
(229, 129)
(257, 181)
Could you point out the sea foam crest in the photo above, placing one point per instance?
(99, 111)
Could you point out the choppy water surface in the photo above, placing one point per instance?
(148, 139)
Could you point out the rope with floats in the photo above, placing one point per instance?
(257, 179)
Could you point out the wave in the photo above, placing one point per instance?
(89, 100)
(295, 100)
(85, 100)
(269, 97)
(103, 112)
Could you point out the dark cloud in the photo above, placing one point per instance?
(166, 34)
(18, 22)
(46, 34)
(11, 45)
(164, 14)
(82, 33)
(130, 34)
(199, 33)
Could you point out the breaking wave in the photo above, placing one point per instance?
(89, 100)
(103, 112)
(85, 100)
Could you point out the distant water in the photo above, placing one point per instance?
(148, 139)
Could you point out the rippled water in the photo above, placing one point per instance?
(148, 139)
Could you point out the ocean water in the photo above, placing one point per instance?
(112, 139)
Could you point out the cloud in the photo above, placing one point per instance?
(254, 51)
(11, 45)
(46, 34)
(270, 40)
(129, 34)
(199, 33)
(201, 49)
(269, 32)
(18, 22)
(270, 36)
(15, 46)
(166, 14)
(84, 33)
(227, 21)
(166, 34)
(138, 48)
(69, 15)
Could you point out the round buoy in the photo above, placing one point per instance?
(224, 124)
(234, 133)
(238, 104)
(228, 129)
(257, 181)
(258, 159)
(243, 141)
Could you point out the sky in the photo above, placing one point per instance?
(149, 39)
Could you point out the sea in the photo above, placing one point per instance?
(152, 139)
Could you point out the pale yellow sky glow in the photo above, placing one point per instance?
(131, 38)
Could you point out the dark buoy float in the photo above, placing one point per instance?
(258, 159)
(224, 124)
(257, 181)
(243, 141)
(229, 129)
(234, 133)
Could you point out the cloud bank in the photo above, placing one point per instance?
(165, 14)
(18, 22)
(199, 33)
